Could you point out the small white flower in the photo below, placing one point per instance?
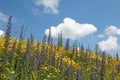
(12, 72)
(48, 75)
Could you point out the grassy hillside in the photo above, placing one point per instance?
(22, 59)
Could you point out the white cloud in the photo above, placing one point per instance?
(109, 44)
(50, 6)
(72, 29)
(1, 32)
(100, 36)
(3, 17)
(112, 30)
(36, 11)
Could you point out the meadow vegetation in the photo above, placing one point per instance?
(27, 59)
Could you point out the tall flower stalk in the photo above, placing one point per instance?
(7, 40)
(103, 67)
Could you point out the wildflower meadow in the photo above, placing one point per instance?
(28, 59)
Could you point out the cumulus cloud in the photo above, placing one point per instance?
(71, 29)
(100, 36)
(109, 44)
(3, 17)
(112, 30)
(50, 6)
(1, 32)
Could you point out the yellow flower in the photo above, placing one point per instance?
(46, 68)
(57, 70)
(4, 76)
(7, 69)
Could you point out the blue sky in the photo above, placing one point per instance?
(88, 21)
